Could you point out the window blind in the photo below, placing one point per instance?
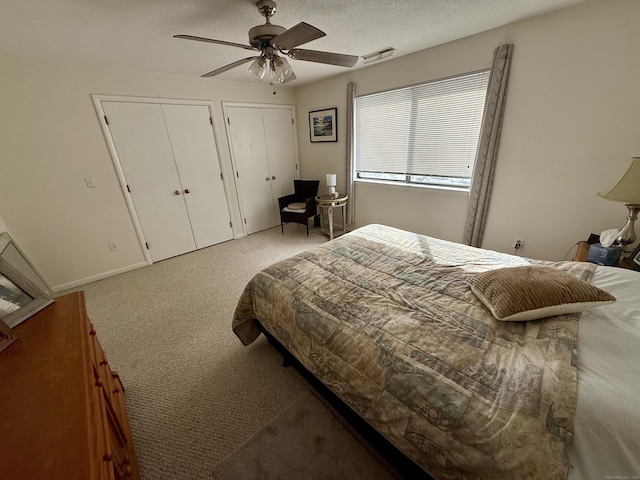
(425, 133)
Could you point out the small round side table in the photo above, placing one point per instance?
(329, 203)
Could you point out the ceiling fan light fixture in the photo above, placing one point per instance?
(282, 69)
(272, 41)
(259, 67)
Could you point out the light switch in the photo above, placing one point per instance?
(90, 181)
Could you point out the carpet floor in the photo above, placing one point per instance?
(193, 392)
(306, 441)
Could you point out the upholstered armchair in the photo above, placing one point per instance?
(299, 206)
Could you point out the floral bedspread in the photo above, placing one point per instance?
(386, 319)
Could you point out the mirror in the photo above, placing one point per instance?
(23, 291)
(11, 254)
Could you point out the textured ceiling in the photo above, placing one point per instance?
(137, 34)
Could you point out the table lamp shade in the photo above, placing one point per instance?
(331, 179)
(627, 188)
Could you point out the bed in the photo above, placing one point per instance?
(388, 321)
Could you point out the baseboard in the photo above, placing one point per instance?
(94, 278)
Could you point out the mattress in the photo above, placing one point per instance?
(387, 321)
(606, 442)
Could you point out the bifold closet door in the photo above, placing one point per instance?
(198, 169)
(263, 149)
(172, 171)
(140, 137)
(249, 147)
(281, 150)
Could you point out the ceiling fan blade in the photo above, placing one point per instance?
(220, 70)
(297, 35)
(211, 40)
(339, 59)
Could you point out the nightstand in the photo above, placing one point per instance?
(328, 203)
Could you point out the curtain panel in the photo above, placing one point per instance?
(351, 204)
(484, 168)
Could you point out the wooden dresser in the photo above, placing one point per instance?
(62, 412)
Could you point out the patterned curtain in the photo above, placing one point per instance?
(351, 209)
(484, 169)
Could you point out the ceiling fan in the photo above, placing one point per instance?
(271, 40)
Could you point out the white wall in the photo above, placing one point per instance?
(571, 126)
(572, 123)
(51, 140)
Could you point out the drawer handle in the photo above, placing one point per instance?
(98, 383)
(92, 332)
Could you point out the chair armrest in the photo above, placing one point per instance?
(286, 200)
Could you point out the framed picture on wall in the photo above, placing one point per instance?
(634, 259)
(323, 126)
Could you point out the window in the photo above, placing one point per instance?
(424, 134)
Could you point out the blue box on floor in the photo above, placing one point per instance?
(604, 255)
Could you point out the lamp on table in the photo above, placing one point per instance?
(331, 184)
(627, 190)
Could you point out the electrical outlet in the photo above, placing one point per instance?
(518, 243)
(113, 246)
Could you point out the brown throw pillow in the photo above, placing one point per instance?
(535, 291)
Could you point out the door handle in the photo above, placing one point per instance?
(186, 190)
(177, 192)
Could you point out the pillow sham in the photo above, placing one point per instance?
(535, 291)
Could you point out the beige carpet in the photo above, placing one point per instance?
(306, 441)
(193, 392)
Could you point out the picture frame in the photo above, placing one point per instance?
(6, 336)
(323, 125)
(633, 260)
(19, 297)
(11, 253)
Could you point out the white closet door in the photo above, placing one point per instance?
(198, 166)
(249, 148)
(280, 138)
(140, 137)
